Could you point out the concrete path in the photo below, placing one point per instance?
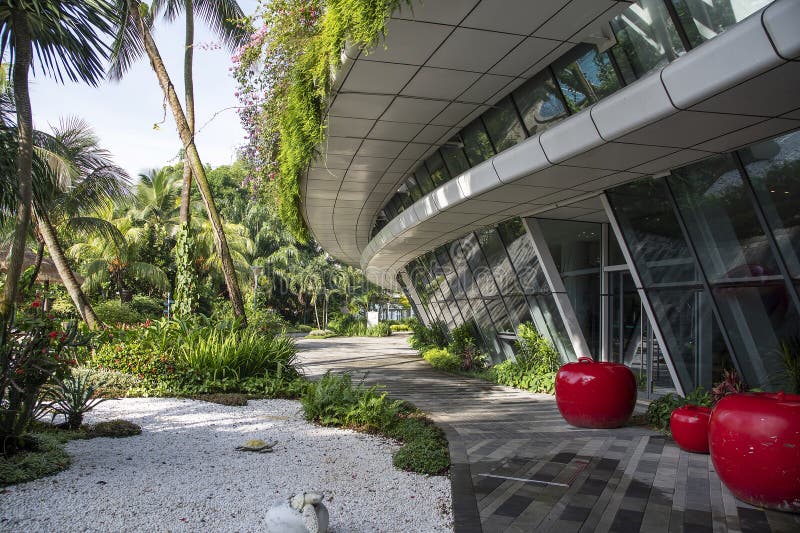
(518, 467)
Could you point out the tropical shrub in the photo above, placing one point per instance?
(35, 350)
(321, 334)
(378, 330)
(114, 312)
(399, 327)
(535, 366)
(731, 383)
(72, 397)
(147, 306)
(424, 337)
(660, 410)
(442, 359)
(349, 325)
(304, 328)
(134, 352)
(267, 321)
(335, 401)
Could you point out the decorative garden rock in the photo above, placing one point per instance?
(591, 394)
(256, 445)
(689, 427)
(304, 513)
(754, 439)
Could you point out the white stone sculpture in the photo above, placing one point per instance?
(304, 513)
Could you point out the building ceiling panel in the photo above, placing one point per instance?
(395, 131)
(438, 83)
(473, 50)
(348, 127)
(342, 145)
(512, 16)
(387, 149)
(415, 110)
(487, 86)
(379, 77)
(524, 56)
(410, 42)
(450, 12)
(572, 18)
(360, 105)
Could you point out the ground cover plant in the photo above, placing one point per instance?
(535, 366)
(335, 400)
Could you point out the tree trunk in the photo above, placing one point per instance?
(22, 61)
(37, 266)
(192, 156)
(65, 272)
(188, 83)
(316, 315)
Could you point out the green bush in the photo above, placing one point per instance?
(442, 359)
(378, 330)
(147, 306)
(114, 312)
(399, 327)
(660, 410)
(136, 356)
(305, 328)
(321, 334)
(335, 401)
(267, 322)
(424, 337)
(535, 366)
(47, 459)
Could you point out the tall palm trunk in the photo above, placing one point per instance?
(188, 84)
(37, 265)
(50, 237)
(22, 61)
(192, 156)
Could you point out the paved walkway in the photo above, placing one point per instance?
(518, 467)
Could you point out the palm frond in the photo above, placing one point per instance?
(150, 274)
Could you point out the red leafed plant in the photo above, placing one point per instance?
(731, 384)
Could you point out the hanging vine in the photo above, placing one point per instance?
(186, 288)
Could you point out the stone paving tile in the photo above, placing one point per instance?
(623, 480)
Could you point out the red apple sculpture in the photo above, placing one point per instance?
(754, 439)
(689, 427)
(592, 394)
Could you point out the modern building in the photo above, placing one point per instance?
(626, 176)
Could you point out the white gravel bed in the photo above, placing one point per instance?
(183, 474)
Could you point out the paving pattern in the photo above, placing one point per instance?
(518, 467)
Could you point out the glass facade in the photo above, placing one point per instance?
(714, 246)
(649, 34)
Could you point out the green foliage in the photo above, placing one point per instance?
(790, 357)
(35, 351)
(442, 359)
(186, 283)
(731, 383)
(72, 397)
(267, 322)
(535, 366)
(659, 411)
(114, 312)
(48, 458)
(304, 328)
(349, 325)
(110, 383)
(399, 327)
(136, 352)
(215, 353)
(147, 306)
(321, 334)
(335, 401)
(424, 337)
(114, 429)
(378, 330)
(465, 345)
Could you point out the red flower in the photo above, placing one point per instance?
(36, 304)
(53, 334)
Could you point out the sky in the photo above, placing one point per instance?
(122, 114)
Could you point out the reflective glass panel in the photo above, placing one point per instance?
(705, 19)
(504, 275)
(646, 38)
(424, 180)
(503, 124)
(585, 76)
(774, 170)
(438, 171)
(539, 103)
(413, 188)
(454, 157)
(477, 145)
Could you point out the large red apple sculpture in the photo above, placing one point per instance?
(754, 439)
(592, 394)
(689, 427)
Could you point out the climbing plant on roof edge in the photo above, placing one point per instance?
(285, 76)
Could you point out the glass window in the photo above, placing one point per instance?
(705, 19)
(438, 171)
(539, 102)
(394, 207)
(774, 170)
(424, 180)
(484, 280)
(503, 125)
(453, 153)
(477, 145)
(646, 39)
(585, 76)
(575, 247)
(414, 188)
(504, 275)
(404, 196)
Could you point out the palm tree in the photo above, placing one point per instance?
(67, 38)
(156, 198)
(82, 179)
(133, 38)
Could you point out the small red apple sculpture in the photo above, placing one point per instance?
(754, 439)
(689, 427)
(592, 394)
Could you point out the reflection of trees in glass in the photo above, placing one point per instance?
(538, 102)
(585, 76)
(702, 20)
(645, 43)
(454, 157)
(477, 145)
(503, 125)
